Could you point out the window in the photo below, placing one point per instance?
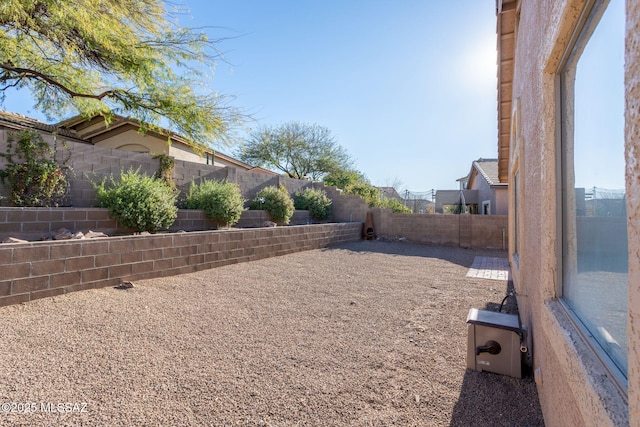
(594, 228)
(486, 207)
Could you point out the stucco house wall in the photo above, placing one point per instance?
(500, 202)
(131, 138)
(574, 387)
(482, 187)
(123, 133)
(484, 192)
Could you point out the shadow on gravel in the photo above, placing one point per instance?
(486, 399)
(485, 396)
(460, 256)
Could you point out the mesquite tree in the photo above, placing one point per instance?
(299, 150)
(99, 57)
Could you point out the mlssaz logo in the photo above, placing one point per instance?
(66, 407)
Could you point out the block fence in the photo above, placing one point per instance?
(90, 164)
(467, 231)
(35, 270)
(34, 223)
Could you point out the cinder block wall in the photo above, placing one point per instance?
(346, 207)
(41, 269)
(90, 164)
(467, 231)
(34, 223)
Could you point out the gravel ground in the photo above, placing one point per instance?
(368, 333)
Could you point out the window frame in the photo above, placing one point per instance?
(565, 95)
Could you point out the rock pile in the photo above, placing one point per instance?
(61, 234)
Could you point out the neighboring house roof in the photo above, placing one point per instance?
(489, 170)
(96, 129)
(257, 169)
(83, 130)
(19, 122)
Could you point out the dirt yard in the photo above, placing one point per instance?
(368, 333)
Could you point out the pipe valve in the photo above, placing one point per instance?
(491, 347)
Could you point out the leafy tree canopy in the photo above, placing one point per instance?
(299, 150)
(344, 178)
(368, 192)
(100, 57)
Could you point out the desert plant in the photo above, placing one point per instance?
(276, 201)
(32, 171)
(396, 206)
(369, 193)
(315, 201)
(220, 200)
(138, 201)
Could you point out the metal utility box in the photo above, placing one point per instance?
(494, 342)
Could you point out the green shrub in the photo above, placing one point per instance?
(138, 201)
(221, 201)
(32, 171)
(396, 206)
(276, 201)
(315, 201)
(343, 178)
(369, 193)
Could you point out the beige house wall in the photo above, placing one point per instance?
(131, 138)
(500, 206)
(124, 134)
(573, 386)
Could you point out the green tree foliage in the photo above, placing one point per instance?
(99, 57)
(139, 201)
(395, 205)
(344, 178)
(221, 201)
(32, 171)
(276, 201)
(369, 193)
(299, 150)
(315, 201)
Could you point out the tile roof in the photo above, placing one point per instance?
(18, 121)
(488, 168)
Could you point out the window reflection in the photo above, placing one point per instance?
(595, 253)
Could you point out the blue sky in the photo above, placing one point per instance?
(599, 105)
(407, 87)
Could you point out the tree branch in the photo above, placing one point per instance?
(28, 73)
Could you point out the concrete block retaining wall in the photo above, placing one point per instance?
(33, 223)
(90, 164)
(41, 269)
(467, 231)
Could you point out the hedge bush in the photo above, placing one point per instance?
(396, 206)
(220, 200)
(139, 201)
(369, 193)
(315, 201)
(276, 201)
